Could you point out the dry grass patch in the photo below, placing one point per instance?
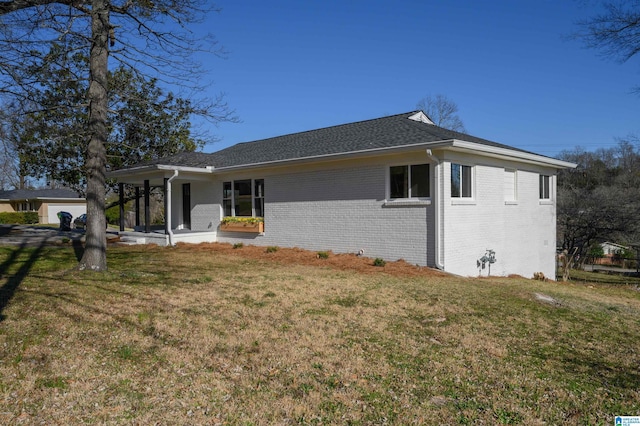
(210, 334)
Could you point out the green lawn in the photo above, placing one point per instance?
(195, 336)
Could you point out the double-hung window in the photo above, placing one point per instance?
(243, 197)
(545, 187)
(410, 181)
(461, 181)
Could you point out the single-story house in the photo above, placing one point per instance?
(612, 254)
(47, 202)
(396, 187)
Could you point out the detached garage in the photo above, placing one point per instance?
(46, 202)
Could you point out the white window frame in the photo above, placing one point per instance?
(472, 183)
(410, 199)
(233, 196)
(545, 198)
(514, 195)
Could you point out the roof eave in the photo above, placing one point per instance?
(337, 156)
(455, 144)
(45, 198)
(157, 167)
(510, 154)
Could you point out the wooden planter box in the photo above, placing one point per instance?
(242, 227)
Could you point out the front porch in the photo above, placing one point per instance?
(175, 184)
(161, 238)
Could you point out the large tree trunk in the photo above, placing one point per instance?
(95, 253)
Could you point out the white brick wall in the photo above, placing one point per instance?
(204, 209)
(522, 233)
(342, 207)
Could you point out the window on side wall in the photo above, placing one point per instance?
(258, 197)
(243, 198)
(461, 181)
(409, 181)
(545, 187)
(510, 185)
(227, 198)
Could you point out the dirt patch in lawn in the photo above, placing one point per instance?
(297, 256)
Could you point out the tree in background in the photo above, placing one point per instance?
(144, 122)
(12, 172)
(599, 199)
(442, 111)
(145, 37)
(8, 167)
(616, 32)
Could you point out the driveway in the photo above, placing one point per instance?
(31, 235)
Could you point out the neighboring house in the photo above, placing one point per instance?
(396, 187)
(613, 254)
(47, 202)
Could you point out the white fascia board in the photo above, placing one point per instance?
(157, 167)
(504, 153)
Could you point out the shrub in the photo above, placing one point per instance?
(238, 245)
(323, 255)
(242, 219)
(113, 215)
(19, 218)
(379, 262)
(272, 249)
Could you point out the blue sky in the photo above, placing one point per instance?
(510, 66)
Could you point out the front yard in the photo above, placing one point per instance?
(209, 334)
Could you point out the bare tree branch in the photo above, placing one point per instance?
(442, 111)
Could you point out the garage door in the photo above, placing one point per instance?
(75, 210)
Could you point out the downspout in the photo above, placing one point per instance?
(175, 175)
(438, 216)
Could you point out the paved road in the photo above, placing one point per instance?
(30, 235)
(596, 268)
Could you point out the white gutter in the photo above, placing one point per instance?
(168, 218)
(437, 205)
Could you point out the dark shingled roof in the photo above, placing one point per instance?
(386, 132)
(26, 194)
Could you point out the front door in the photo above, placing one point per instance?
(186, 205)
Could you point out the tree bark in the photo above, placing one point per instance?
(95, 253)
